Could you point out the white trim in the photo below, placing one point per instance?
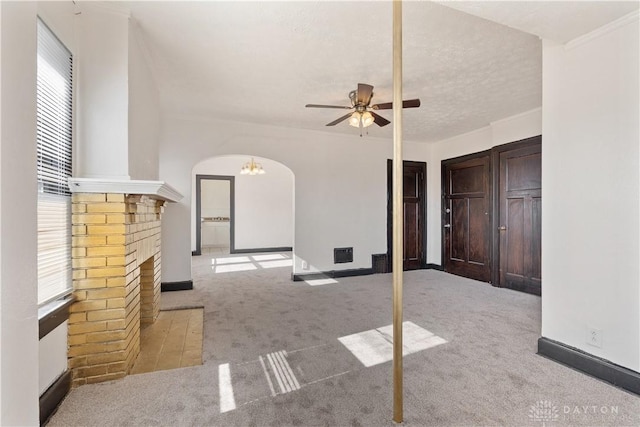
(154, 189)
(516, 116)
(605, 29)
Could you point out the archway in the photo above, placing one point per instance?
(260, 214)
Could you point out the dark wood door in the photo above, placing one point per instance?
(520, 226)
(466, 217)
(414, 197)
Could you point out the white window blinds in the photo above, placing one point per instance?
(54, 142)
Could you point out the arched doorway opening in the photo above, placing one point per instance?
(237, 213)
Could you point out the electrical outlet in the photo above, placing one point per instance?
(594, 337)
(305, 265)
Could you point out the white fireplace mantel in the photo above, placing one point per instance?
(154, 189)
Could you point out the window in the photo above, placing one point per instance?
(54, 142)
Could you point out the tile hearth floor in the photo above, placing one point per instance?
(173, 341)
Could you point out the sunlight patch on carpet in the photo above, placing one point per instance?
(375, 346)
(320, 282)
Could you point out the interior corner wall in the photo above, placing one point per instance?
(144, 112)
(340, 187)
(18, 261)
(510, 129)
(591, 209)
(263, 204)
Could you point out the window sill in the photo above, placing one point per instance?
(53, 314)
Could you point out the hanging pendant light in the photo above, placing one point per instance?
(252, 168)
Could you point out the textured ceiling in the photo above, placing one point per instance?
(261, 62)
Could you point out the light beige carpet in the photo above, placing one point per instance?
(272, 357)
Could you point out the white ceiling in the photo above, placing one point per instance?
(261, 62)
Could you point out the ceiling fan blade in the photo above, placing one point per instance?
(327, 106)
(409, 103)
(365, 92)
(343, 118)
(379, 120)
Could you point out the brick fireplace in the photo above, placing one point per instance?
(116, 255)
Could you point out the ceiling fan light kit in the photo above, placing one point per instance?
(363, 114)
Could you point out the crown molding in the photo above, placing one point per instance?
(605, 29)
(159, 190)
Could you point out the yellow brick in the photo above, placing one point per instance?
(77, 339)
(115, 260)
(77, 317)
(116, 345)
(84, 349)
(106, 229)
(88, 219)
(87, 241)
(114, 197)
(113, 314)
(89, 262)
(106, 377)
(88, 197)
(106, 272)
(105, 251)
(115, 302)
(99, 282)
(113, 325)
(116, 218)
(76, 362)
(106, 208)
(106, 293)
(106, 336)
(78, 252)
(115, 281)
(116, 240)
(78, 208)
(79, 274)
(87, 306)
(117, 367)
(77, 230)
(83, 328)
(100, 359)
(92, 371)
(80, 295)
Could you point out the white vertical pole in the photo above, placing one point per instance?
(398, 214)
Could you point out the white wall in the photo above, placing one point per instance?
(18, 264)
(102, 103)
(263, 203)
(504, 131)
(340, 187)
(144, 112)
(590, 174)
(214, 198)
(52, 355)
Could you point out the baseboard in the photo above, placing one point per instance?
(258, 250)
(196, 253)
(434, 267)
(51, 399)
(591, 365)
(334, 274)
(186, 285)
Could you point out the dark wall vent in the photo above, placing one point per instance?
(341, 255)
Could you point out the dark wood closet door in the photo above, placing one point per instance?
(414, 204)
(413, 215)
(520, 227)
(466, 216)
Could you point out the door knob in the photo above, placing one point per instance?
(502, 228)
(447, 226)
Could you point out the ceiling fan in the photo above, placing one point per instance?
(363, 114)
